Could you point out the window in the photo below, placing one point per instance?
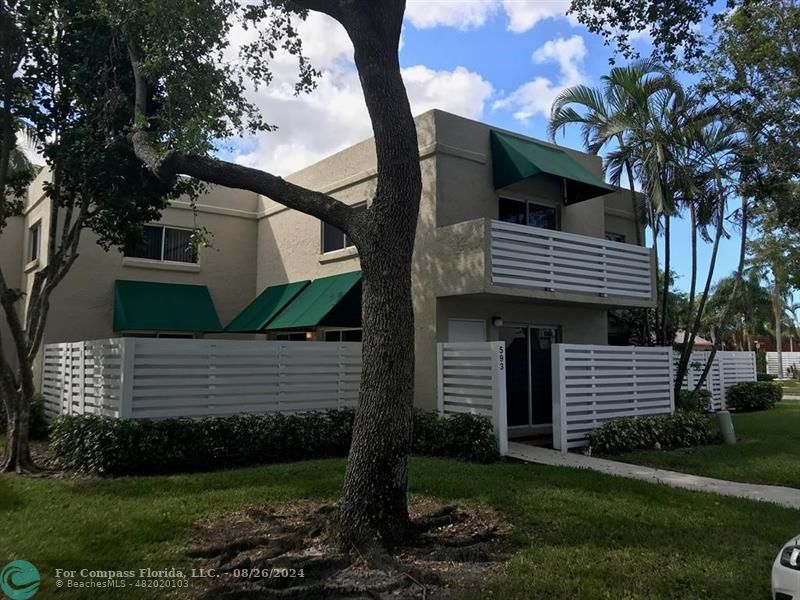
(164, 243)
(299, 336)
(334, 239)
(615, 237)
(343, 335)
(34, 241)
(158, 334)
(528, 213)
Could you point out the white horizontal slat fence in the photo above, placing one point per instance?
(82, 378)
(728, 369)
(530, 257)
(472, 380)
(789, 360)
(593, 384)
(160, 378)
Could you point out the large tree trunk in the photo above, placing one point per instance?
(17, 458)
(374, 506)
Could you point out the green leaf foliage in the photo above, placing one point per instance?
(748, 396)
(107, 446)
(700, 403)
(660, 432)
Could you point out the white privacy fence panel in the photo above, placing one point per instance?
(160, 378)
(789, 360)
(728, 369)
(472, 380)
(530, 257)
(82, 378)
(594, 384)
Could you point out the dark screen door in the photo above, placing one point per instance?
(529, 383)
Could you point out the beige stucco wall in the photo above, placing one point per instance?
(450, 251)
(82, 305)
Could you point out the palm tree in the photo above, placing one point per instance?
(623, 117)
(773, 258)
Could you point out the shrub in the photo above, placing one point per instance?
(765, 377)
(660, 432)
(754, 395)
(465, 437)
(699, 404)
(108, 446)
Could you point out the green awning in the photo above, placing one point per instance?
(334, 300)
(515, 159)
(257, 315)
(150, 306)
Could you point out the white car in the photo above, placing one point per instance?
(786, 572)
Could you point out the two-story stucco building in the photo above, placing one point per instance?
(517, 240)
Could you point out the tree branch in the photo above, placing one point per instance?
(212, 170)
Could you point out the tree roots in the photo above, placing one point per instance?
(292, 552)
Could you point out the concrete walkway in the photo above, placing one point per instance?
(784, 496)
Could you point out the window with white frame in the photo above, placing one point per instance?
(34, 241)
(296, 336)
(615, 237)
(528, 213)
(334, 239)
(343, 335)
(161, 242)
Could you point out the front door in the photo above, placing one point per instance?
(529, 382)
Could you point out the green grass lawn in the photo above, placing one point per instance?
(579, 534)
(791, 387)
(767, 450)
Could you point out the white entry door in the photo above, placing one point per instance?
(466, 330)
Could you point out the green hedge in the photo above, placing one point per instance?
(108, 446)
(660, 432)
(754, 395)
(765, 377)
(699, 404)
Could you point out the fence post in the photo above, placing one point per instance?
(440, 378)
(499, 409)
(62, 379)
(82, 377)
(559, 409)
(671, 363)
(127, 368)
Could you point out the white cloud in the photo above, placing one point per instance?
(536, 96)
(466, 14)
(522, 15)
(334, 116)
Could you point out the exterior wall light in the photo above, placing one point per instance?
(309, 335)
(497, 321)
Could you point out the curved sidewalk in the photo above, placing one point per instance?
(783, 496)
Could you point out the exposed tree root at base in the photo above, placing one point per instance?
(290, 552)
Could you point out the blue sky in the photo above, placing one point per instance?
(498, 61)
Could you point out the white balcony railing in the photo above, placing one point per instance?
(529, 257)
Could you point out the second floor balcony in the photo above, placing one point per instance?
(489, 256)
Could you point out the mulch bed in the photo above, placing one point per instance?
(289, 551)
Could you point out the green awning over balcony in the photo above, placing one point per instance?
(334, 300)
(257, 315)
(515, 159)
(152, 306)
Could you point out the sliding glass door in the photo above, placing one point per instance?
(529, 382)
